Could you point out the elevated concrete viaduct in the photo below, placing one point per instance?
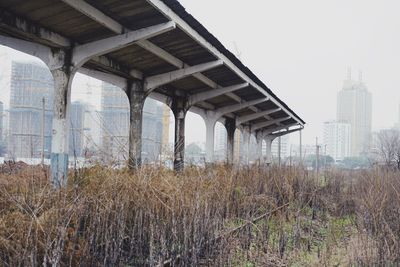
(148, 48)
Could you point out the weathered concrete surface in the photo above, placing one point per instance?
(60, 126)
(136, 100)
(179, 108)
(230, 126)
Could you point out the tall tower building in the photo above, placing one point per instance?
(354, 106)
(30, 83)
(337, 138)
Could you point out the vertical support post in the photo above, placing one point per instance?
(268, 155)
(42, 129)
(179, 109)
(60, 125)
(246, 137)
(210, 135)
(230, 126)
(259, 147)
(136, 101)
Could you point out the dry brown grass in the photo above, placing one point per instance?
(114, 218)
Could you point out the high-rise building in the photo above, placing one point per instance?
(30, 83)
(115, 125)
(354, 106)
(337, 138)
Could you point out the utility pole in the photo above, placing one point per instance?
(325, 157)
(43, 125)
(317, 155)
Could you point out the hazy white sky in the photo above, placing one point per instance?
(302, 49)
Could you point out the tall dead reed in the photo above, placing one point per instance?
(114, 218)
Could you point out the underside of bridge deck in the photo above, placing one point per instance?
(148, 48)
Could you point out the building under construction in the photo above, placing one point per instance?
(30, 83)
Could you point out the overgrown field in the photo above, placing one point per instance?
(214, 217)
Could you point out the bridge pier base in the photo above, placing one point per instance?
(230, 126)
(179, 110)
(136, 98)
(60, 126)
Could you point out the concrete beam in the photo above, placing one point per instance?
(116, 27)
(33, 49)
(106, 77)
(84, 52)
(287, 132)
(161, 53)
(95, 14)
(155, 81)
(258, 126)
(277, 128)
(199, 97)
(43, 35)
(145, 44)
(35, 31)
(243, 119)
(239, 106)
(120, 82)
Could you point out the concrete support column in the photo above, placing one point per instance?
(268, 156)
(136, 97)
(60, 125)
(210, 134)
(246, 139)
(230, 125)
(259, 147)
(179, 109)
